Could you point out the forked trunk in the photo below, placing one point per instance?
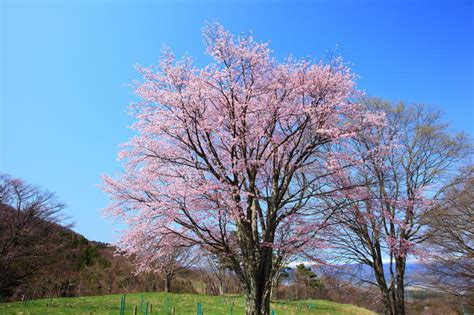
(258, 260)
(257, 301)
(258, 289)
(384, 290)
(387, 303)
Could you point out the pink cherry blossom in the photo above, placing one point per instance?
(233, 157)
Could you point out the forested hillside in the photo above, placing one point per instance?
(42, 258)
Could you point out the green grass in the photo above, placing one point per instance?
(184, 304)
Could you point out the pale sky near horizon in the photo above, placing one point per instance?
(65, 66)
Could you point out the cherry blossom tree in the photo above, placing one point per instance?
(398, 175)
(157, 254)
(233, 157)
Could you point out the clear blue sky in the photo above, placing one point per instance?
(65, 66)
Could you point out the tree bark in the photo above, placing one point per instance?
(221, 287)
(257, 299)
(257, 274)
(221, 279)
(168, 279)
(387, 301)
(259, 283)
(400, 291)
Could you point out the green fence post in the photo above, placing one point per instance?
(167, 306)
(123, 305)
(199, 309)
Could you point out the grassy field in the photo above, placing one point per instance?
(162, 303)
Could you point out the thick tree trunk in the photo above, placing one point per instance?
(400, 291)
(258, 260)
(258, 285)
(257, 300)
(259, 291)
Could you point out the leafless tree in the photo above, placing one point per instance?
(451, 232)
(26, 211)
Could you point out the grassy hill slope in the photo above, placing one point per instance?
(184, 304)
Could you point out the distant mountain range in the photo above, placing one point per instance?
(362, 273)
